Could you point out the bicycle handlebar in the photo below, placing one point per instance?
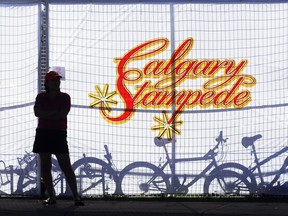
(220, 138)
(25, 159)
(219, 141)
(108, 155)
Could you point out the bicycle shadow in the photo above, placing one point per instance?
(97, 176)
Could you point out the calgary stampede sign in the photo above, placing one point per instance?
(224, 86)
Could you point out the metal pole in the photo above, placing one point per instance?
(38, 172)
(172, 35)
(42, 63)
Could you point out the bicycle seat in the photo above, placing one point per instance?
(249, 141)
(161, 142)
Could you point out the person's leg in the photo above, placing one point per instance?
(46, 164)
(65, 165)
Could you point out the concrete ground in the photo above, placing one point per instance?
(147, 207)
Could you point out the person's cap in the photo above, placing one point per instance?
(50, 75)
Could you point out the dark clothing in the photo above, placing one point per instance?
(50, 141)
(51, 135)
(62, 101)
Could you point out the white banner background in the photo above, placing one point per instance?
(85, 39)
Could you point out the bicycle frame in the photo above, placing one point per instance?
(266, 160)
(209, 156)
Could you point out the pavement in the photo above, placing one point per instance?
(147, 207)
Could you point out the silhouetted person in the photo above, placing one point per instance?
(52, 108)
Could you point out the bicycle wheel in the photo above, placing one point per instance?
(27, 181)
(142, 178)
(238, 168)
(227, 182)
(95, 177)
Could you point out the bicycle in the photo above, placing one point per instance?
(27, 181)
(148, 179)
(96, 176)
(26, 172)
(262, 187)
(255, 174)
(93, 175)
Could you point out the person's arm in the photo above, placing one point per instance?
(52, 114)
(44, 113)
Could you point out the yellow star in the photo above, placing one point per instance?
(165, 127)
(102, 98)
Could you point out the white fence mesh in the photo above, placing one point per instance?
(90, 40)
